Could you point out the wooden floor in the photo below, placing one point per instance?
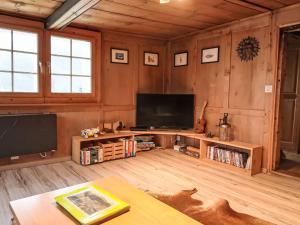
(290, 165)
(271, 197)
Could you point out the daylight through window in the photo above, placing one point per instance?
(18, 61)
(71, 65)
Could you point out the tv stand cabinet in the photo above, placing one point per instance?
(254, 151)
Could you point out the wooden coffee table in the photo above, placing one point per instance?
(42, 209)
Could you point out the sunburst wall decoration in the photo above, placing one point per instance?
(248, 48)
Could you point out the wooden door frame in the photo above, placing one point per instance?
(274, 153)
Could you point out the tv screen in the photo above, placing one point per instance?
(165, 111)
(27, 134)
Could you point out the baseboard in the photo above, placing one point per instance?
(284, 174)
(34, 163)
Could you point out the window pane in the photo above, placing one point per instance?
(5, 60)
(81, 48)
(25, 41)
(5, 38)
(60, 65)
(24, 62)
(25, 82)
(5, 82)
(81, 66)
(60, 84)
(81, 84)
(60, 46)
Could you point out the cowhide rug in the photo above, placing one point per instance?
(220, 213)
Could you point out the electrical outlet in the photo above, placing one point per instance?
(268, 88)
(14, 157)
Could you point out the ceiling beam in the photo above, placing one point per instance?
(68, 12)
(250, 5)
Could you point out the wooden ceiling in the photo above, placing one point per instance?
(148, 17)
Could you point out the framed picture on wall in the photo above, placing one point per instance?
(151, 59)
(210, 55)
(181, 59)
(119, 56)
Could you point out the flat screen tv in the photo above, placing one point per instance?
(27, 134)
(165, 111)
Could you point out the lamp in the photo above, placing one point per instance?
(164, 1)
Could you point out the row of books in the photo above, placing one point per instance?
(130, 147)
(95, 154)
(91, 155)
(229, 156)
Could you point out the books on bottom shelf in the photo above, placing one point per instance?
(229, 156)
(91, 155)
(130, 147)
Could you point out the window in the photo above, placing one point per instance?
(18, 61)
(71, 65)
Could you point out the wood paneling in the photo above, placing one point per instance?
(183, 77)
(281, 18)
(119, 79)
(121, 82)
(247, 79)
(148, 17)
(290, 96)
(229, 85)
(119, 85)
(151, 78)
(211, 77)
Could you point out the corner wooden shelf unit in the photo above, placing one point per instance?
(254, 151)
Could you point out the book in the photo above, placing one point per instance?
(91, 204)
(229, 156)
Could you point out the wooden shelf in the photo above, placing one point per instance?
(102, 136)
(77, 140)
(236, 144)
(227, 166)
(254, 151)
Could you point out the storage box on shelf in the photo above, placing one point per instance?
(108, 151)
(119, 150)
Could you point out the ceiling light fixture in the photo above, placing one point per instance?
(164, 1)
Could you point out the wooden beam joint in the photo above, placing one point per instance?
(67, 12)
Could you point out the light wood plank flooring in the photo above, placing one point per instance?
(271, 197)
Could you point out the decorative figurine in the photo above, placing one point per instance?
(224, 128)
(90, 132)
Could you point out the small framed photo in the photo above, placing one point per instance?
(210, 55)
(181, 59)
(119, 56)
(151, 59)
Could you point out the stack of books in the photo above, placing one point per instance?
(145, 142)
(229, 156)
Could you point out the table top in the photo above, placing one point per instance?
(145, 210)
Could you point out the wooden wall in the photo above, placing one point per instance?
(119, 85)
(233, 86)
(230, 85)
